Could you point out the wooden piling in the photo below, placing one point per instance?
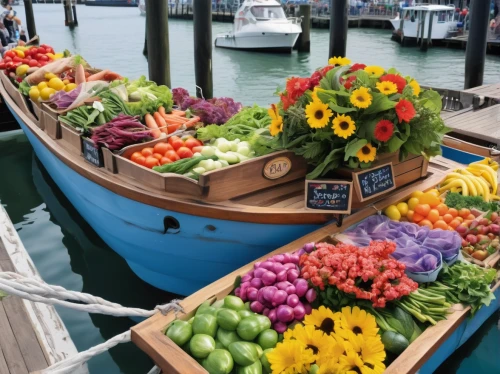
(304, 40)
(338, 28)
(30, 18)
(202, 21)
(427, 41)
(75, 19)
(68, 13)
(157, 41)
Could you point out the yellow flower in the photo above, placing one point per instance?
(290, 357)
(314, 94)
(372, 350)
(343, 126)
(276, 120)
(316, 340)
(361, 98)
(331, 367)
(416, 87)
(323, 319)
(352, 363)
(341, 61)
(374, 71)
(318, 115)
(387, 88)
(357, 321)
(334, 349)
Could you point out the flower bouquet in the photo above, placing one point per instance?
(347, 115)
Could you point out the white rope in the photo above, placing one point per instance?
(39, 291)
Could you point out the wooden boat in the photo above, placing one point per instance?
(424, 355)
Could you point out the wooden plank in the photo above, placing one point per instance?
(273, 195)
(9, 345)
(3, 252)
(4, 369)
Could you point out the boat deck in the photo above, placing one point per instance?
(32, 336)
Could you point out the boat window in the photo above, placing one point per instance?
(441, 16)
(268, 12)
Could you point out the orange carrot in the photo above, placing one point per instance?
(180, 113)
(192, 121)
(172, 128)
(162, 112)
(151, 124)
(174, 120)
(79, 75)
(111, 76)
(160, 121)
(98, 76)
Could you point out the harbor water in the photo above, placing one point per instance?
(68, 252)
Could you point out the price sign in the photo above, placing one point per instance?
(91, 153)
(333, 196)
(374, 182)
(277, 168)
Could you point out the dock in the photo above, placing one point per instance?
(33, 336)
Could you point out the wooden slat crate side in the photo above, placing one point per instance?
(464, 146)
(71, 138)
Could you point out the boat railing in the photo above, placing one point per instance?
(295, 20)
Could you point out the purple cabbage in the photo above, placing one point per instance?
(120, 132)
(63, 99)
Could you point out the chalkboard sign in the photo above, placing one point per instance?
(373, 182)
(333, 196)
(91, 153)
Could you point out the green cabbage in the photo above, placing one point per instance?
(146, 97)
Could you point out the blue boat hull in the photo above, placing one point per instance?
(182, 262)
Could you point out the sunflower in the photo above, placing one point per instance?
(290, 357)
(314, 93)
(374, 71)
(367, 153)
(357, 321)
(372, 350)
(387, 88)
(323, 319)
(313, 339)
(331, 367)
(318, 115)
(276, 120)
(343, 126)
(361, 98)
(351, 363)
(416, 87)
(341, 61)
(333, 350)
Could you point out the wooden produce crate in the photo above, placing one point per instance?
(37, 109)
(217, 185)
(474, 146)
(405, 172)
(16, 95)
(50, 121)
(150, 334)
(71, 139)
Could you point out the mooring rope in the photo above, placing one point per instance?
(38, 291)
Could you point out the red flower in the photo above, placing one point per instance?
(348, 83)
(357, 67)
(315, 78)
(396, 79)
(405, 110)
(295, 87)
(383, 130)
(326, 69)
(287, 102)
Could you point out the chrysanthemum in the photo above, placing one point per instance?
(387, 88)
(341, 61)
(318, 115)
(416, 87)
(361, 98)
(290, 357)
(367, 153)
(343, 126)
(331, 367)
(383, 130)
(374, 71)
(405, 110)
(356, 321)
(347, 83)
(276, 120)
(323, 319)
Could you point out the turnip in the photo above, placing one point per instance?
(292, 300)
(285, 313)
(292, 275)
(299, 311)
(280, 327)
(256, 307)
(279, 298)
(268, 278)
(257, 283)
(252, 293)
(281, 276)
(301, 286)
(311, 295)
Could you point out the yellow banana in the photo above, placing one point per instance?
(485, 188)
(458, 183)
(475, 172)
(495, 197)
(484, 161)
(479, 186)
(492, 179)
(470, 186)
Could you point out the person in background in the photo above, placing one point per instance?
(10, 20)
(4, 36)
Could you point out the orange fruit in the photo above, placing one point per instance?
(464, 212)
(454, 223)
(417, 217)
(158, 156)
(439, 224)
(453, 212)
(146, 152)
(433, 215)
(426, 222)
(409, 215)
(140, 160)
(447, 218)
(471, 217)
(442, 209)
(423, 209)
(459, 219)
(429, 198)
(135, 156)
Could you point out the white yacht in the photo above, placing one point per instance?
(412, 18)
(261, 25)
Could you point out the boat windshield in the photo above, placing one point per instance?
(268, 12)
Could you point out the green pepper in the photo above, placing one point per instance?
(264, 321)
(234, 303)
(266, 366)
(244, 353)
(267, 339)
(201, 345)
(255, 368)
(260, 352)
(245, 313)
(228, 319)
(219, 361)
(205, 324)
(227, 337)
(249, 328)
(180, 332)
(208, 310)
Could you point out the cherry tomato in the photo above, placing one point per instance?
(158, 156)
(42, 50)
(7, 59)
(2, 65)
(172, 139)
(44, 58)
(49, 50)
(26, 61)
(165, 160)
(10, 54)
(151, 162)
(184, 152)
(197, 149)
(172, 155)
(141, 160)
(146, 152)
(16, 59)
(177, 144)
(42, 63)
(192, 142)
(162, 147)
(135, 156)
(33, 63)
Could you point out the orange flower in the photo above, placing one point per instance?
(405, 110)
(396, 79)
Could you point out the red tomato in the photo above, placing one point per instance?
(197, 149)
(184, 152)
(49, 50)
(26, 61)
(2, 65)
(172, 155)
(42, 63)
(172, 139)
(162, 147)
(177, 144)
(158, 156)
(7, 59)
(151, 162)
(192, 142)
(141, 160)
(42, 50)
(165, 160)
(16, 59)
(135, 156)
(33, 63)
(44, 58)
(146, 152)
(10, 54)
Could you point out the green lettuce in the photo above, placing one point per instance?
(146, 97)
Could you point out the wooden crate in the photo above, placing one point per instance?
(71, 139)
(405, 172)
(16, 95)
(50, 121)
(150, 334)
(470, 147)
(218, 185)
(37, 109)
